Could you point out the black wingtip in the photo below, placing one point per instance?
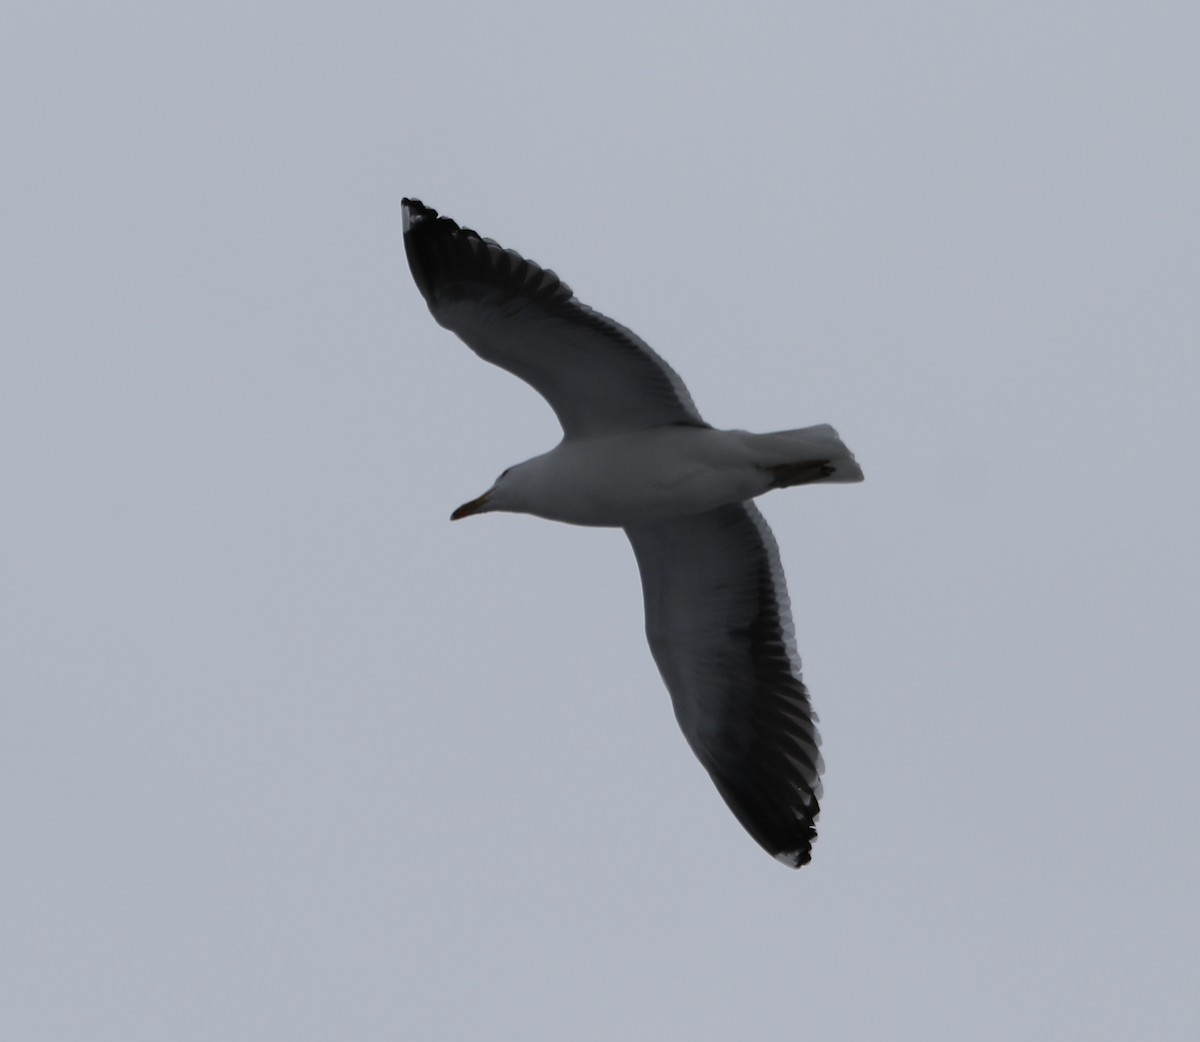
(788, 842)
(797, 858)
(415, 212)
(422, 226)
(443, 255)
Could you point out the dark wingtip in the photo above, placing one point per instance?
(796, 858)
(441, 252)
(421, 228)
(415, 212)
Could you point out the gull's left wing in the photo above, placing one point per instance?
(598, 377)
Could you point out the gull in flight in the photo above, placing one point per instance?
(636, 455)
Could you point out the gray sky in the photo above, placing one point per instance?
(285, 755)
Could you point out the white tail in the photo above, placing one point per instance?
(807, 455)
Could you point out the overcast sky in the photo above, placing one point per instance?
(285, 755)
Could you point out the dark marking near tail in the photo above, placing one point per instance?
(786, 475)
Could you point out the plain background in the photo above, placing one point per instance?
(285, 755)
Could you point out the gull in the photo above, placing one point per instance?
(635, 454)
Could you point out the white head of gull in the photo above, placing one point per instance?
(636, 455)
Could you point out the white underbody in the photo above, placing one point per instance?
(646, 476)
